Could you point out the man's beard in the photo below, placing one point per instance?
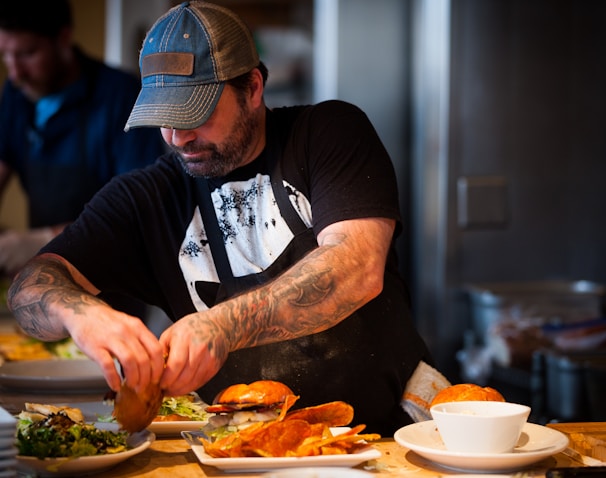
(221, 159)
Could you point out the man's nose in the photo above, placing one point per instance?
(180, 137)
(14, 69)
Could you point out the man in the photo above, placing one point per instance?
(267, 236)
(62, 115)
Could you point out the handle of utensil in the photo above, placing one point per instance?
(576, 472)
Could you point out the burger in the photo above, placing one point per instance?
(466, 392)
(240, 405)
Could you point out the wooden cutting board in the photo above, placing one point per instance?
(588, 438)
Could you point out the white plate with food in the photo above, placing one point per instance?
(177, 414)
(67, 376)
(262, 464)
(536, 443)
(137, 442)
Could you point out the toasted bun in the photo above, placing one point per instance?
(467, 391)
(259, 394)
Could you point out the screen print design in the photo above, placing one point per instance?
(254, 233)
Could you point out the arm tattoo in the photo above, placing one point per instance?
(44, 287)
(303, 301)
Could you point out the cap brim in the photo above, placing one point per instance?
(177, 107)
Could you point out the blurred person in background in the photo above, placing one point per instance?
(62, 115)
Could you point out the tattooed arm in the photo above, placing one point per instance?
(51, 300)
(345, 272)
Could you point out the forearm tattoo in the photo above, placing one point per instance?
(303, 301)
(40, 289)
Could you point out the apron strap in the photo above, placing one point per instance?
(213, 232)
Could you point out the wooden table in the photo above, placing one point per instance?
(173, 457)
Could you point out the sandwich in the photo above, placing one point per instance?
(241, 405)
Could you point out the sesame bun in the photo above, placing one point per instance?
(467, 391)
(259, 394)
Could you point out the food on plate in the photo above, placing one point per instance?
(255, 395)
(18, 346)
(282, 433)
(182, 408)
(135, 411)
(48, 431)
(467, 392)
(241, 405)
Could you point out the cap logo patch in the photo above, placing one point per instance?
(167, 64)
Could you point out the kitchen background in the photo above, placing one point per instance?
(494, 112)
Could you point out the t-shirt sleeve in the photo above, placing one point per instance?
(348, 170)
(105, 243)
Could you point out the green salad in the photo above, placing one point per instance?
(57, 435)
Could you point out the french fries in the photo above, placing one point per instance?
(303, 432)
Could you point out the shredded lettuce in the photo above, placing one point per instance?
(185, 406)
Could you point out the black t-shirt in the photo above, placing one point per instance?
(143, 235)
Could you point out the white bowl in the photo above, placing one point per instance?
(480, 427)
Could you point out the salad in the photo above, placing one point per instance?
(46, 431)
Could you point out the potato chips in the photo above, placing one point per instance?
(303, 432)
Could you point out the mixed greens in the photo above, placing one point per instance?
(186, 406)
(57, 435)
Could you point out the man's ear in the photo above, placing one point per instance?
(256, 88)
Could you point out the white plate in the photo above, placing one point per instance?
(45, 375)
(536, 443)
(7, 421)
(7, 441)
(328, 472)
(93, 411)
(87, 464)
(258, 464)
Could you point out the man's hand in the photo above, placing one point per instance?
(196, 348)
(51, 300)
(105, 335)
(16, 248)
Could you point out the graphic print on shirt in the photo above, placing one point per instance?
(254, 233)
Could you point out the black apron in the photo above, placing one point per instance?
(350, 362)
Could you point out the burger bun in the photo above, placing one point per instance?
(467, 392)
(255, 395)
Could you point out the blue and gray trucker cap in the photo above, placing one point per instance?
(186, 57)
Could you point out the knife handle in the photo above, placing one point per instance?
(576, 472)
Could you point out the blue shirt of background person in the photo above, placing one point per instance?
(62, 115)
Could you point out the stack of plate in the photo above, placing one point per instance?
(8, 451)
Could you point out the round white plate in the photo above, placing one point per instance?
(536, 443)
(87, 464)
(44, 375)
(100, 410)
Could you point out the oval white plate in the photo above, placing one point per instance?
(318, 472)
(259, 464)
(87, 464)
(44, 375)
(536, 443)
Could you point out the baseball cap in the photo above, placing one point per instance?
(186, 57)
